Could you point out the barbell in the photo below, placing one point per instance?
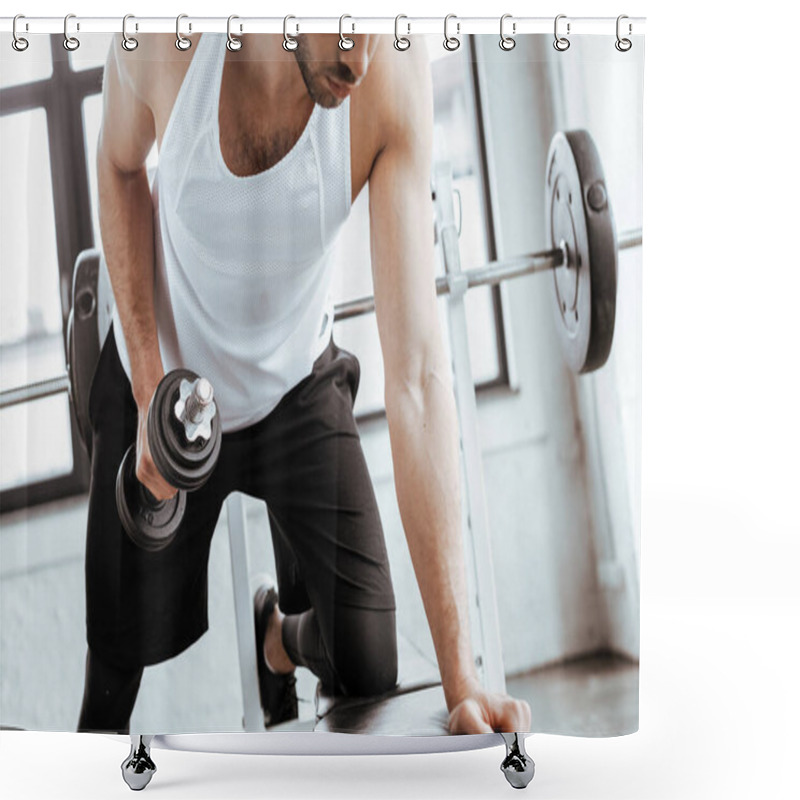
(582, 257)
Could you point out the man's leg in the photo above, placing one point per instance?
(363, 661)
(306, 462)
(109, 695)
(110, 689)
(352, 650)
(141, 607)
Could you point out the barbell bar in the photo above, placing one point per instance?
(34, 391)
(491, 273)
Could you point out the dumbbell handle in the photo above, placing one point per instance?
(148, 498)
(196, 403)
(196, 408)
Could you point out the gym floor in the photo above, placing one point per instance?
(593, 696)
(42, 614)
(596, 695)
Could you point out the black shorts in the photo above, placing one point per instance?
(304, 460)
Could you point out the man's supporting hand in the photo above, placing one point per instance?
(478, 711)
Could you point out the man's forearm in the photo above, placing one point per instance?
(126, 226)
(424, 435)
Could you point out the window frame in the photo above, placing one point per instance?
(505, 378)
(61, 96)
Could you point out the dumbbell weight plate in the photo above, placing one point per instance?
(578, 217)
(151, 526)
(184, 464)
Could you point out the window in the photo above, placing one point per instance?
(50, 112)
(31, 346)
(45, 224)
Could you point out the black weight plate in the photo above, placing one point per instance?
(83, 340)
(184, 464)
(151, 526)
(579, 220)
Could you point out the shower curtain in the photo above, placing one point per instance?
(267, 463)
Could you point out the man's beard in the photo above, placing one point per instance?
(315, 82)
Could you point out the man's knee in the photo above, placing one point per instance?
(366, 652)
(369, 676)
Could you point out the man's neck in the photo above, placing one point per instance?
(265, 70)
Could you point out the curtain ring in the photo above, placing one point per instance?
(451, 43)
(561, 43)
(18, 42)
(70, 42)
(401, 42)
(181, 42)
(128, 42)
(233, 44)
(289, 43)
(507, 42)
(345, 42)
(623, 45)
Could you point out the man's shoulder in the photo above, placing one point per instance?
(397, 90)
(148, 68)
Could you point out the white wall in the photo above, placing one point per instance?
(601, 91)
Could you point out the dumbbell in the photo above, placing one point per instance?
(183, 432)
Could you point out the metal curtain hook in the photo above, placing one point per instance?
(181, 42)
(233, 44)
(128, 42)
(70, 42)
(345, 43)
(623, 45)
(561, 43)
(401, 42)
(18, 42)
(507, 42)
(451, 43)
(289, 43)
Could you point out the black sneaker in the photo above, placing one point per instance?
(277, 692)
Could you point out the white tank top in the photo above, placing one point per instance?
(243, 264)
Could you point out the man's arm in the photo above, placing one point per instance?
(420, 406)
(126, 226)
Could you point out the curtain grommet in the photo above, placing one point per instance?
(19, 43)
(561, 43)
(345, 42)
(451, 43)
(234, 43)
(401, 43)
(129, 43)
(289, 42)
(507, 42)
(71, 43)
(181, 42)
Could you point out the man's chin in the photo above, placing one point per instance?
(326, 99)
(326, 94)
(330, 101)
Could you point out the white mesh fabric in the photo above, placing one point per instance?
(243, 264)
